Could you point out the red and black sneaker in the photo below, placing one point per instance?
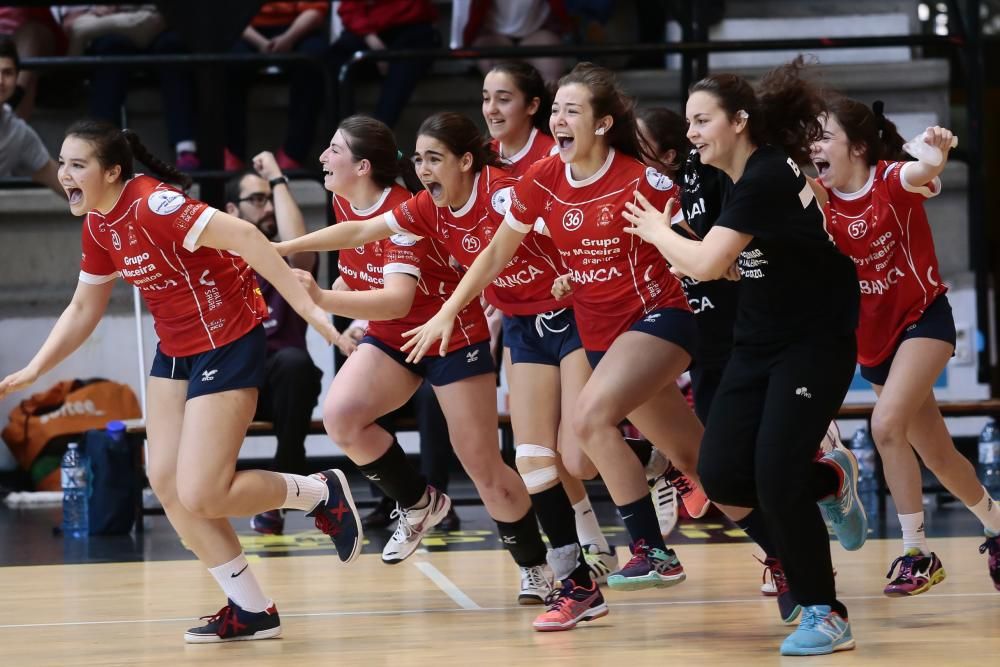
(788, 608)
(338, 517)
(232, 623)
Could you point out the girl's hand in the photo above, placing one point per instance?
(308, 283)
(939, 137)
(438, 327)
(562, 286)
(648, 222)
(17, 380)
(733, 272)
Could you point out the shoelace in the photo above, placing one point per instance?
(640, 553)
(329, 527)
(906, 563)
(679, 481)
(404, 531)
(559, 597)
(772, 567)
(810, 619)
(220, 615)
(992, 544)
(533, 577)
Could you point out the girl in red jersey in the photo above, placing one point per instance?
(194, 266)
(906, 333)
(462, 205)
(793, 342)
(516, 107)
(634, 321)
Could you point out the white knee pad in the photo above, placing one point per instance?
(543, 476)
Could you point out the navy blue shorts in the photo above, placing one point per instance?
(236, 365)
(463, 363)
(541, 339)
(670, 324)
(937, 322)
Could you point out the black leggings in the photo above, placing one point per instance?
(772, 408)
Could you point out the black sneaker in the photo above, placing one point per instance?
(233, 623)
(338, 517)
(380, 516)
(450, 521)
(271, 522)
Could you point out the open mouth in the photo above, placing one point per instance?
(822, 168)
(75, 196)
(565, 142)
(436, 189)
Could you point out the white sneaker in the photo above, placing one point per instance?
(536, 585)
(657, 465)
(601, 563)
(665, 501)
(413, 525)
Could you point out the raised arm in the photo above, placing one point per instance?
(337, 237)
(73, 327)
(922, 172)
(391, 302)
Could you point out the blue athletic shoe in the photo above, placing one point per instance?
(821, 631)
(844, 510)
(338, 517)
(233, 623)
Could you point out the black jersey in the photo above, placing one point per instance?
(713, 301)
(794, 281)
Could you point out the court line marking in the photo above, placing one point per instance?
(477, 608)
(446, 585)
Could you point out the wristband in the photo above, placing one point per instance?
(278, 180)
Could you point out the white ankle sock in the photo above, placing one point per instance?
(913, 532)
(587, 529)
(239, 584)
(304, 493)
(988, 511)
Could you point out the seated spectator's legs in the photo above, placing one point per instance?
(33, 39)
(305, 99)
(550, 68)
(288, 398)
(177, 86)
(339, 53)
(108, 82)
(484, 41)
(403, 75)
(238, 78)
(436, 453)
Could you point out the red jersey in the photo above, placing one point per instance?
(539, 145)
(524, 287)
(426, 260)
(200, 298)
(884, 229)
(619, 277)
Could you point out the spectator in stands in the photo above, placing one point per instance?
(279, 27)
(388, 24)
(292, 384)
(486, 23)
(118, 30)
(35, 34)
(22, 152)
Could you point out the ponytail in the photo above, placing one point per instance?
(163, 170)
(122, 147)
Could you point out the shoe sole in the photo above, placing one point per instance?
(701, 512)
(620, 583)
(934, 580)
(843, 646)
(591, 614)
(345, 491)
(794, 615)
(432, 520)
(216, 639)
(529, 600)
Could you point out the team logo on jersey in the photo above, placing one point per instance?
(572, 220)
(360, 250)
(404, 240)
(116, 240)
(165, 202)
(470, 243)
(605, 216)
(657, 180)
(132, 238)
(857, 229)
(501, 200)
(548, 206)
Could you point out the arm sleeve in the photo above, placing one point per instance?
(96, 266)
(525, 208)
(31, 152)
(899, 189)
(416, 217)
(170, 216)
(745, 210)
(403, 255)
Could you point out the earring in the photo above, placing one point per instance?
(600, 131)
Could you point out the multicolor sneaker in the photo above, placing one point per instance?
(571, 604)
(992, 544)
(665, 501)
(649, 568)
(338, 517)
(269, 523)
(788, 608)
(917, 573)
(413, 525)
(601, 563)
(821, 631)
(844, 510)
(232, 623)
(695, 501)
(536, 585)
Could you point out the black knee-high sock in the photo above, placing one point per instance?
(640, 520)
(558, 520)
(522, 540)
(755, 527)
(397, 478)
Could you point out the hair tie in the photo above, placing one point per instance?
(399, 155)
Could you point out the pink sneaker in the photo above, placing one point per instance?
(695, 501)
(232, 163)
(286, 162)
(570, 605)
(992, 544)
(917, 573)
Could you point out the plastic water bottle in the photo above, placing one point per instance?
(989, 458)
(75, 485)
(864, 450)
(116, 432)
(924, 152)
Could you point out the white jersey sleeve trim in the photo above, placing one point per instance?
(191, 238)
(401, 267)
(92, 279)
(932, 189)
(678, 217)
(516, 224)
(393, 224)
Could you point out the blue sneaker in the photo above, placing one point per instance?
(844, 510)
(233, 623)
(649, 568)
(338, 517)
(821, 631)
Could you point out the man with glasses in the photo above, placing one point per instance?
(289, 394)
